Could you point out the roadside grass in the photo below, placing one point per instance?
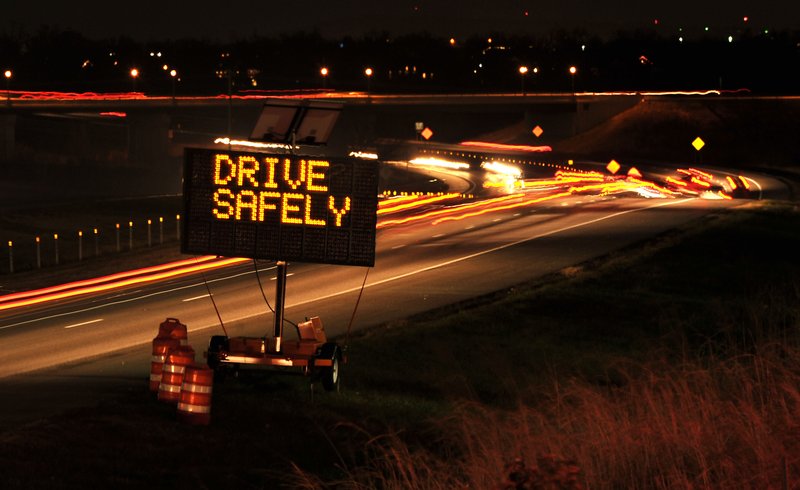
(671, 364)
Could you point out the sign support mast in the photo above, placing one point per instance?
(280, 284)
(280, 295)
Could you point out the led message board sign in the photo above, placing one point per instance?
(280, 207)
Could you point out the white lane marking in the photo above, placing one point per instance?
(195, 298)
(127, 293)
(517, 214)
(469, 227)
(438, 235)
(377, 283)
(84, 323)
(398, 246)
(496, 220)
(276, 277)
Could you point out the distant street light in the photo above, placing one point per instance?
(572, 71)
(324, 72)
(134, 76)
(523, 70)
(173, 74)
(368, 72)
(8, 74)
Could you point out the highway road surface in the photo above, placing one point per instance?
(72, 352)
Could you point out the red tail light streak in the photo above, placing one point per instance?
(114, 281)
(534, 191)
(601, 189)
(418, 202)
(445, 211)
(500, 146)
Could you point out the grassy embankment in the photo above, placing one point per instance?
(671, 365)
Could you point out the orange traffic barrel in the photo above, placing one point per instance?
(194, 406)
(172, 328)
(161, 348)
(169, 390)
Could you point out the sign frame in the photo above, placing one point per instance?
(279, 206)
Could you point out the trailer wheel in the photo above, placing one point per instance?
(330, 376)
(217, 344)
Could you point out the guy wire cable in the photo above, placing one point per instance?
(261, 288)
(221, 324)
(355, 308)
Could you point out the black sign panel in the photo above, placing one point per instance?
(281, 207)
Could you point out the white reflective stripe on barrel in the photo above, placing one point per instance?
(169, 388)
(155, 377)
(174, 368)
(188, 407)
(194, 388)
(159, 358)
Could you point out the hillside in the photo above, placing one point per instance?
(737, 132)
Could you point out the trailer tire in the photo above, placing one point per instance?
(329, 376)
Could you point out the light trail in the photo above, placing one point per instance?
(133, 299)
(438, 162)
(502, 168)
(445, 211)
(394, 200)
(104, 279)
(601, 188)
(252, 144)
(106, 286)
(403, 206)
(500, 146)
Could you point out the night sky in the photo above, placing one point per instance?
(225, 20)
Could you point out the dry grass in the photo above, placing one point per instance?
(733, 424)
(706, 418)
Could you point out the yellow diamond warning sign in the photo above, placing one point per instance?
(613, 166)
(427, 133)
(698, 143)
(537, 131)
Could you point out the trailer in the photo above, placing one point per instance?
(311, 355)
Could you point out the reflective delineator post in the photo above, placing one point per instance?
(55, 242)
(38, 253)
(149, 234)
(178, 226)
(96, 243)
(130, 235)
(118, 247)
(80, 245)
(160, 230)
(11, 256)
